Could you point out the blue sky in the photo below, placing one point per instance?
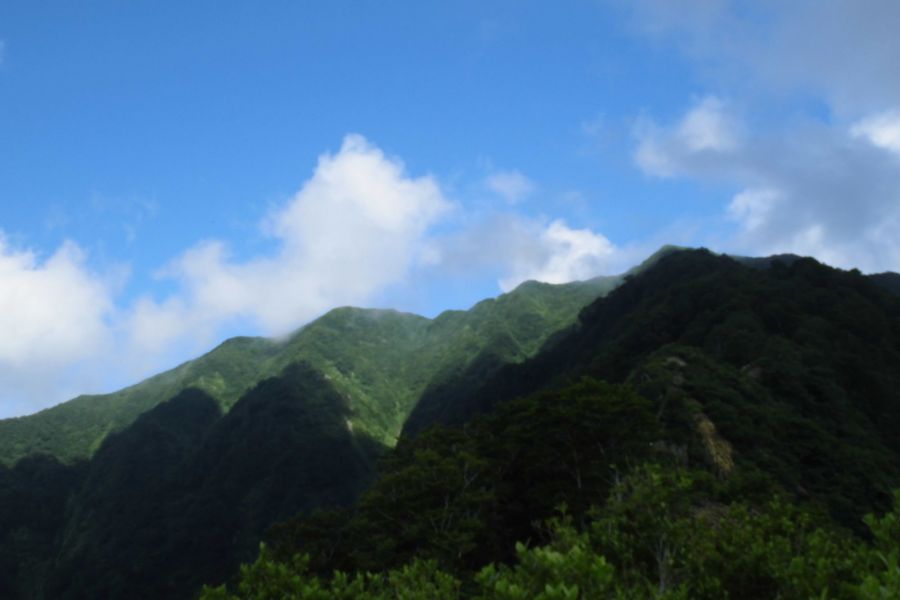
(175, 173)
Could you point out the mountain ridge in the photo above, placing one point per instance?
(781, 379)
(74, 429)
(400, 344)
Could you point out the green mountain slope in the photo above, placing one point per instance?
(198, 478)
(776, 378)
(380, 360)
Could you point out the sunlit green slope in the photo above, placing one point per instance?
(381, 361)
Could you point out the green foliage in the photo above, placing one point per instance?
(565, 569)
(753, 412)
(267, 579)
(464, 496)
(183, 480)
(33, 497)
(797, 367)
(657, 535)
(661, 532)
(883, 578)
(889, 281)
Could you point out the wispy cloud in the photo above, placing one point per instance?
(881, 129)
(826, 185)
(840, 51)
(512, 186)
(814, 189)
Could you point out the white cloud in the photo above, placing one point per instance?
(708, 128)
(882, 130)
(817, 172)
(51, 310)
(812, 189)
(510, 185)
(561, 254)
(513, 249)
(752, 207)
(54, 315)
(355, 227)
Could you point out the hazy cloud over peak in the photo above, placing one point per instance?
(560, 254)
(355, 227)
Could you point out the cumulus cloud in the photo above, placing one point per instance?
(51, 310)
(355, 227)
(512, 186)
(54, 314)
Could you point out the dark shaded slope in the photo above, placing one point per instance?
(889, 281)
(74, 430)
(33, 497)
(285, 448)
(800, 363)
(119, 531)
(183, 495)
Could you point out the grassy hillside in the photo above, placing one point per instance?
(380, 360)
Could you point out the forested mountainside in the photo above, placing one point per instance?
(154, 490)
(710, 428)
(381, 360)
(797, 366)
(889, 281)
